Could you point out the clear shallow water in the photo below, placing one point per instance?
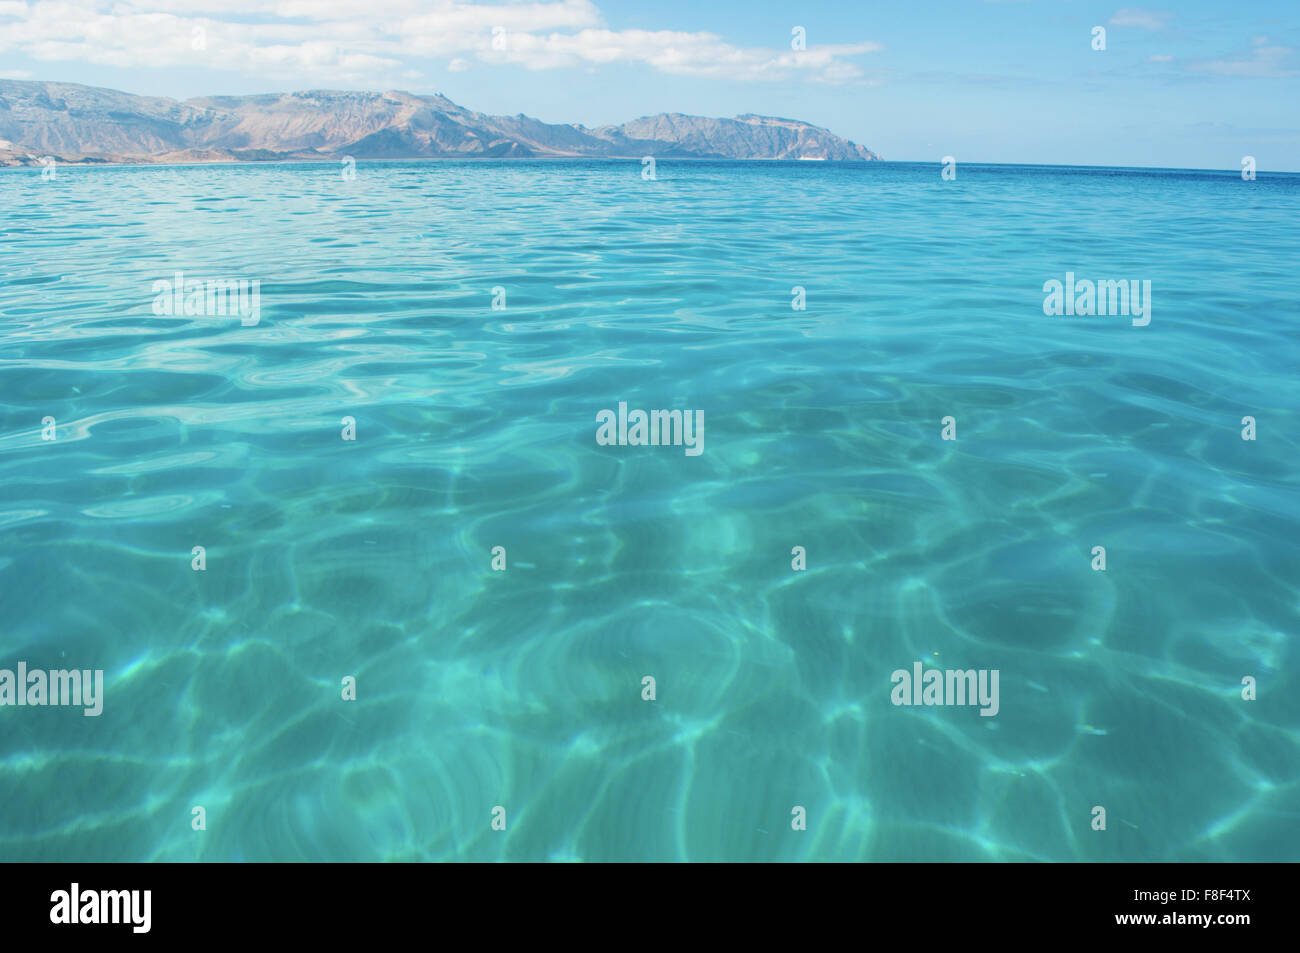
(476, 428)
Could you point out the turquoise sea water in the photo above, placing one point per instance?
(476, 428)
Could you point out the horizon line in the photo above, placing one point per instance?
(145, 163)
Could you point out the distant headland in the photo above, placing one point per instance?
(71, 123)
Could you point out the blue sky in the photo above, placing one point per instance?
(1193, 84)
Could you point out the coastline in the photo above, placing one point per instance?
(89, 162)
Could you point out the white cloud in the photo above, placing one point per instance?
(1142, 19)
(360, 43)
(687, 54)
(1270, 62)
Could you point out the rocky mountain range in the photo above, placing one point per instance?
(74, 123)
